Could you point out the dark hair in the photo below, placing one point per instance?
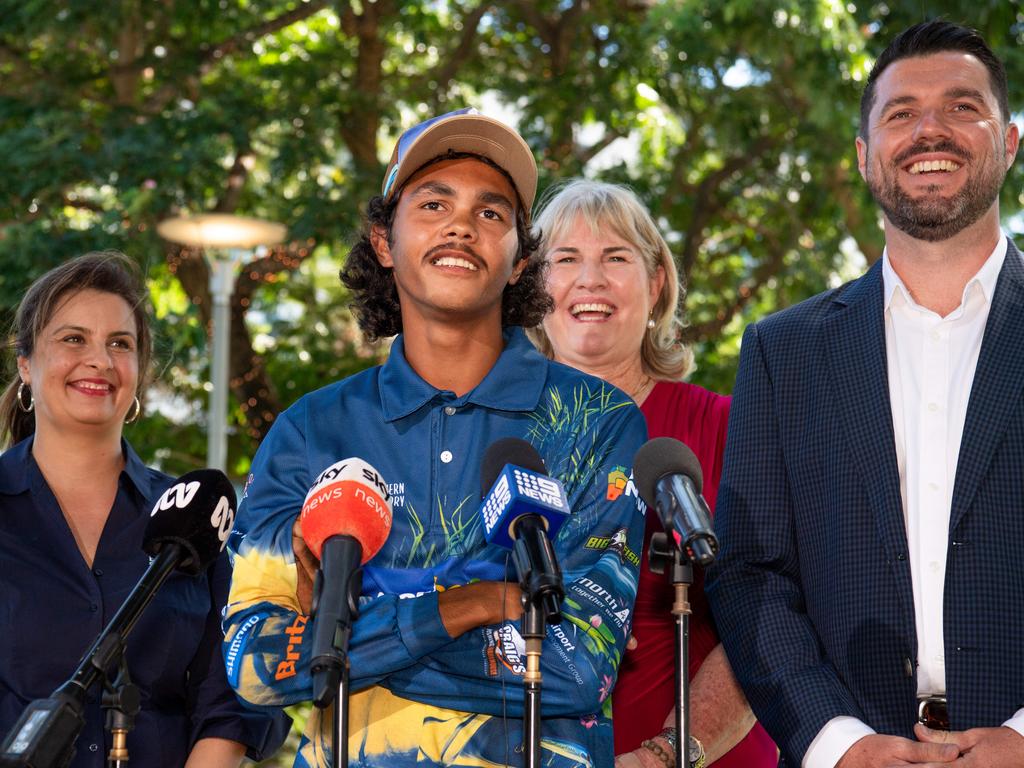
(105, 271)
(375, 297)
(931, 37)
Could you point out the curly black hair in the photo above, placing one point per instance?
(375, 297)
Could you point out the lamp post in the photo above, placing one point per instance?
(227, 241)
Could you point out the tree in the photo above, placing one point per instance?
(733, 120)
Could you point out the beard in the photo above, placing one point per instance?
(931, 217)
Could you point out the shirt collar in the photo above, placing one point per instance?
(17, 461)
(515, 383)
(985, 278)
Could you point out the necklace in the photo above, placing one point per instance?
(640, 393)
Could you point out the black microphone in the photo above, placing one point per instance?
(669, 479)
(523, 510)
(187, 530)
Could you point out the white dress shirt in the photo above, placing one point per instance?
(931, 362)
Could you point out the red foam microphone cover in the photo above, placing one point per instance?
(349, 498)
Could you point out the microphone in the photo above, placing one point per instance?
(669, 479)
(523, 511)
(345, 520)
(187, 530)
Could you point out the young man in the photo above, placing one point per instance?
(870, 507)
(435, 667)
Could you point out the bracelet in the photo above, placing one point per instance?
(671, 735)
(656, 749)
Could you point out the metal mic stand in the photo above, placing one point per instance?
(340, 754)
(540, 578)
(662, 555)
(533, 635)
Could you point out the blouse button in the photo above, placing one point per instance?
(449, 410)
(94, 607)
(446, 456)
(98, 571)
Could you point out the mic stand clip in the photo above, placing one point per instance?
(122, 701)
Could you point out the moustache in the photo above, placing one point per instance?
(948, 146)
(462, 247)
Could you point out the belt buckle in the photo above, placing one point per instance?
(933, 712)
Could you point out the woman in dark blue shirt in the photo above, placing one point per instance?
(74, 501)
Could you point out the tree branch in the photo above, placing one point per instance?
(464, 50)
(208, 56)
(585, 154)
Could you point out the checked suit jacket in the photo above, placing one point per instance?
(812, 591)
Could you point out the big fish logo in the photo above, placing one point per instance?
(617, 482)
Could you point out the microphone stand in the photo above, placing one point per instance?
(662, 555)
(533, 635)
(339, 758)
(540, 579)
(330, 671)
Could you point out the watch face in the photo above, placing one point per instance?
(695, 753)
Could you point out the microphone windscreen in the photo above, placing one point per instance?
(508, 450)
(664, 456)
(349, 498)
(197, 512)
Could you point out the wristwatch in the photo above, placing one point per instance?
(696, 753)
(695, 750)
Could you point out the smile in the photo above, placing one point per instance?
(591, 308)
(92, 386)
(453, 261)
(933, 166)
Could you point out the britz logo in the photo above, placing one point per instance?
(286, 667)
(497, 500)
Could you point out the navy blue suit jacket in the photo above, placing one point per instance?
(812, 592)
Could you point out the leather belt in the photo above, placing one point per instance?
(933, 712)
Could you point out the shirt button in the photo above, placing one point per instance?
(94, 747)
(94, 607)
(98, 571)
(446, 456)
(933, 486)
(936, 335)
(449, 410)
(933, 406)
(934, 566)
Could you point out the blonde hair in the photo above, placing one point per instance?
(616, 207)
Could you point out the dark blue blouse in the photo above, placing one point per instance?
(52, 607)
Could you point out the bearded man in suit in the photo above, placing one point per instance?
(869, 591)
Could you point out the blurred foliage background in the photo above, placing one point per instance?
(734, 120)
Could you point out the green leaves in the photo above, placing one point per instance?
(733, 120)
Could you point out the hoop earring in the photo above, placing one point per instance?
(136, 412)
(21, 400)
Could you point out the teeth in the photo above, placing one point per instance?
(577, 309)
(931, 166)
(454, 261)
(91, 385)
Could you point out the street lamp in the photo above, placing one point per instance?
(227, 241)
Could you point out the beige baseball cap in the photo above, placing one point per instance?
(465, 130)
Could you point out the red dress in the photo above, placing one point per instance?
(645, 692)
